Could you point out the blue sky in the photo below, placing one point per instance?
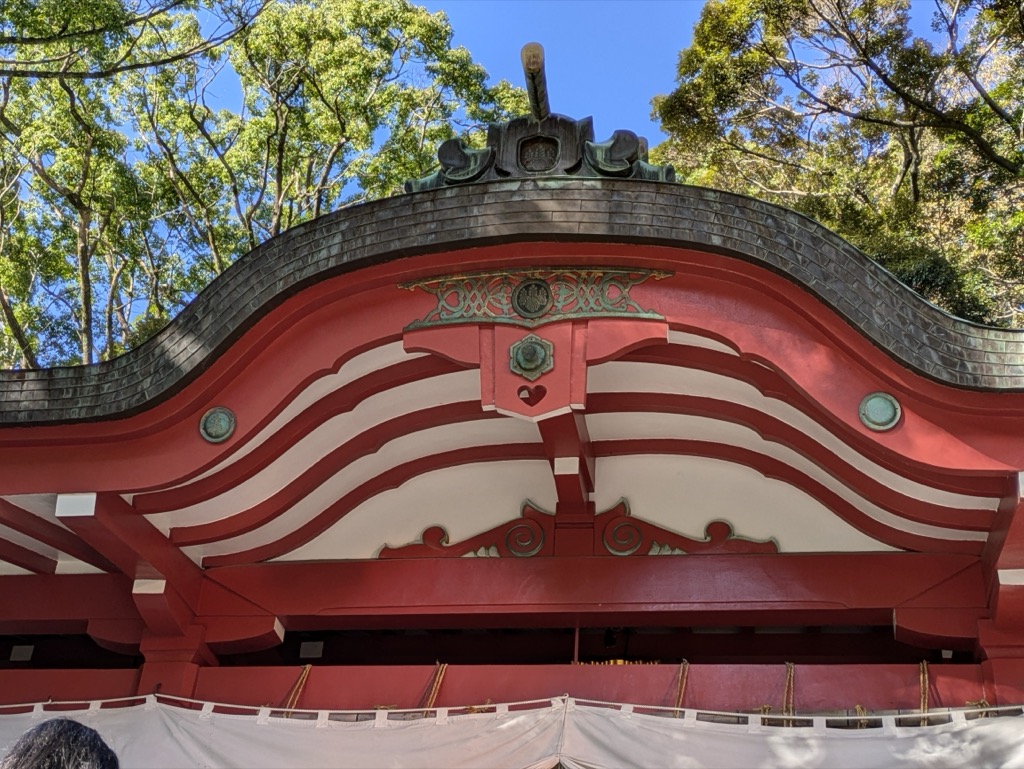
(605, 58)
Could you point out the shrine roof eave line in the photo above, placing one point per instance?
(913, 332)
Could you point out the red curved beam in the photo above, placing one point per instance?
(344, 399)
(768, 466)
(766, 288)
(719, 296)
(773, 468)
(389, 479)
(771, 383)
(371, 440)
(765, 425)
(362, 445)
(339, 401)
(776, 323)
(757, 376)
(777, 431)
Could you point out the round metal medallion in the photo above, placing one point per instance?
(217, 424)
(880, 411)
(531, 298)
(531, 357)
(538, 153)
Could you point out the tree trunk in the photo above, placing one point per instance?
(84, 254)
(17, 331)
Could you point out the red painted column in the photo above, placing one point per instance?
(1001, 638)
(173, 662)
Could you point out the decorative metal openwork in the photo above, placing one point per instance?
(534, 297)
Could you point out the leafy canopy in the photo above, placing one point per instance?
(899, 125)
(127, 182)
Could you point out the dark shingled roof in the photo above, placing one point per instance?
(915, 333)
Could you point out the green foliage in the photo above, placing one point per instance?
(124, 187)
(908, 143)
(94, 39)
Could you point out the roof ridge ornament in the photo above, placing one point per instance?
(542, 144)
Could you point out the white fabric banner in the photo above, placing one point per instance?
(530, 736)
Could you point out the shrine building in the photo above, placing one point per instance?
(548, 425)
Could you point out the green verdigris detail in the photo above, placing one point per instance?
(542, 143)
(217, 424)
(534, 297)
(879, 411)
(554, 146)
(625, 154)
(459, 165)
(531, 357)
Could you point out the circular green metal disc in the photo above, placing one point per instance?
(880, 411)
(217, 424)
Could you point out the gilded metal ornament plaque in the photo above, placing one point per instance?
(533, 297)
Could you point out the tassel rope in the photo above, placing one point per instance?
(684, 672)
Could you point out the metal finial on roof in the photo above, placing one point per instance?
(542, 143)
(532, 57)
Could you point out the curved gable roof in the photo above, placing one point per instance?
(916, 334)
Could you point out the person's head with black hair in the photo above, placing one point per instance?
(60, 743)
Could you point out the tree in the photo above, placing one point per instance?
(128, 193)
(76, 194)
(342, 100)
(907, 140)
(96, 39)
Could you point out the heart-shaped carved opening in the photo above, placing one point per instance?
(531, 396)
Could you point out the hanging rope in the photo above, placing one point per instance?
(684, 672)
(922, 679)
(981, 704)
(435, 686)
(789, 694)
(480, 708)
(296, 692)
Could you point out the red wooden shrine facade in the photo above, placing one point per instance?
(519, 426)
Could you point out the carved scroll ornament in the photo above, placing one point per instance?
(616, 533)
(528, 535)
(622, 534)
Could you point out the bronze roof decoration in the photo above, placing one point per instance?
(542, 144)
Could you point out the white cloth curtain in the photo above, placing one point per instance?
(542, 735)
